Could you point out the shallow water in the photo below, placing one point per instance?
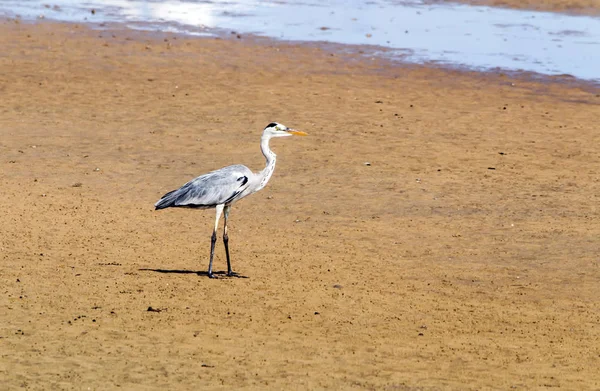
(457, 35)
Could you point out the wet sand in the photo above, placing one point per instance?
(583, 7)
(465, 256)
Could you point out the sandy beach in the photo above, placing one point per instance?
(437, 229)
(578, 7)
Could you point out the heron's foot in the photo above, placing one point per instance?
(210, 275)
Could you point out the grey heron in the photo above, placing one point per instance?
(221, 188)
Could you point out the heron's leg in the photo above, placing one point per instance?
(226, 241)
(213, 240)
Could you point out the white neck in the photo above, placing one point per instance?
(265, 174)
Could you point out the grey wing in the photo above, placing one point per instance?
(208, 190)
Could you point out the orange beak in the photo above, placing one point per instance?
(296, 132)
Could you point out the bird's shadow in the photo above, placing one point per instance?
(220, 274)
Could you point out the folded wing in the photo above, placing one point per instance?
(215, 188)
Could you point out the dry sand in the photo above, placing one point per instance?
(465, 256)
(583, 7)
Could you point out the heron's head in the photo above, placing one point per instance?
(278, 130)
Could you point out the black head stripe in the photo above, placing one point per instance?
(272, 125)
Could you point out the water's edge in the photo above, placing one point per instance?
(560, 47)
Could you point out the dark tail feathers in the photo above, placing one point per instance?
(165, 201)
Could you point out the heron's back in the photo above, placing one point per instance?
(209, 190)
